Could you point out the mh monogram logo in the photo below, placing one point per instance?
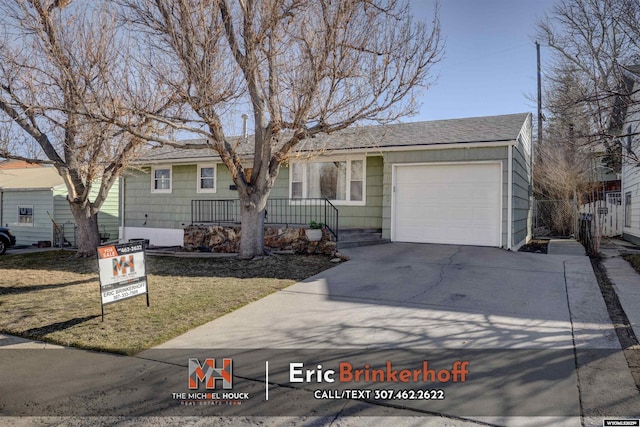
(121, 265)
(209, 373)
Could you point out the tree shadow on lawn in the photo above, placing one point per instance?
(50, 261)
(38, 333)
(293, 267)
(14, 290)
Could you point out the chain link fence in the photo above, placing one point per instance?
(555, 218)
(65, 235)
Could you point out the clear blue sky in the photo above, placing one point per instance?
(490, 58)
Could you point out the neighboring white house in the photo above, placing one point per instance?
(32, 199)
(630, 140)
(460, 181)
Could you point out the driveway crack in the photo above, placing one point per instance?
(441, 271)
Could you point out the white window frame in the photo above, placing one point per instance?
(25, 224)
(348, 159)
(153, 180)
(199, 188)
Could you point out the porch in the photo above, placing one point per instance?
(285, 212)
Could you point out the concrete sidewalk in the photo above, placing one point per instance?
(565, 247)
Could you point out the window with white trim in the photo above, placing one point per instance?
(207, 178)
(341, 181)
(161, 179)
(25, 215)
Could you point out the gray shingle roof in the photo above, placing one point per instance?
(487, 129)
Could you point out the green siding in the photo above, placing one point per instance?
(443, 156)
(42, 203)
(174, 210)
(107, 217)
(522, 212)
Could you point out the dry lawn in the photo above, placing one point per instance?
(634, 260)
(54, 297)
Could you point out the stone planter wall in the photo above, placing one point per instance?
(214, 238)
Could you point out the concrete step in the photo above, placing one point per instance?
(363, 236)
(355, 244)
(354, 237)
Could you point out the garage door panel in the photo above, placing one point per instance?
(457, 204)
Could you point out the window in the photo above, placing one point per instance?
(338, 181)
(161, 179)
(25, 215)
(357, 180)
(206, 179)
(297, 180)
(627, 209)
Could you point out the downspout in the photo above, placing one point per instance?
(510, 197)
(1, 206)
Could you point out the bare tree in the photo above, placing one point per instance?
(592, 40)
(302, 67)
(60, 65)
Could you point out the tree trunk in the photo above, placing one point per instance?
(252, 235)
(88, 234)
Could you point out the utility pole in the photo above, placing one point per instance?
(539, 96)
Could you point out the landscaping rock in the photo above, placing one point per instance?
(289, 235)
(220, 239)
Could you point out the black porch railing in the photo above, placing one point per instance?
(278, 211)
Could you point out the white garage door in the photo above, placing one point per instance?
(455, 204)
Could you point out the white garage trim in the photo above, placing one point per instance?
(495, 239)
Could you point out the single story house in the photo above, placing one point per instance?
(33, 198)
(461, 181)
(628, 119)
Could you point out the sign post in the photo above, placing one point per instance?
(123, 272)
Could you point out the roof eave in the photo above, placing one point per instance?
(358, 150)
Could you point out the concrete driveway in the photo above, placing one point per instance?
(527, 320)
(410, 295)
(534, 329)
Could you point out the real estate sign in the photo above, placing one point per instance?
(122, 272)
